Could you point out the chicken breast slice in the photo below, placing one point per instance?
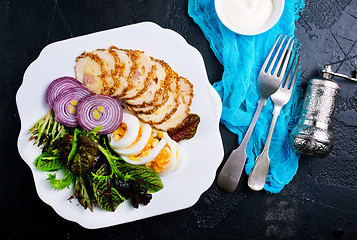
(89, 70)
(163, 97)
(165, 111)
(110, 67)
(124, 69)
(155, 83)
(183, 110)
(139, 74)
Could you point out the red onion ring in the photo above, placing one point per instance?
(59, 85)
(65, 105)
(99, 110)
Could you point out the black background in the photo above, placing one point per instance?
(319, 203)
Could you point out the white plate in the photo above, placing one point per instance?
(201, 155)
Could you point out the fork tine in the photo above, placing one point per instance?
(287, 80)
(284, 65)
(295, 62)
(295, 72)
(270, 53)
(276, 55)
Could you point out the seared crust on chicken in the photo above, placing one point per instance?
(125, 66)
(110, 69)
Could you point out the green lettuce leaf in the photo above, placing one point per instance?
(81, 187)
(46, 162)
(187, 130)
(108, 198)
(86, 154)
(145, 176)
(59, 184)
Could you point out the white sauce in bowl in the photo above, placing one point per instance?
(247, 14)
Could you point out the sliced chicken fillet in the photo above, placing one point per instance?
(148, 87)
(123, 74)
(154, 83)
(183, 110)
(139, 74)
(110, 66)
(163, 97)
(166, 110)
(89, 71)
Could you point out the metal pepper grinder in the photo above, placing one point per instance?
(313, 133)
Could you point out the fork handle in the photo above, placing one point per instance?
(232, 170)
(258, 175)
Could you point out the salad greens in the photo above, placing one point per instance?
(187, 130)
(65, 182)
(97, 174)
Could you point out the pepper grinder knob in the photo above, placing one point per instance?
(327, 73)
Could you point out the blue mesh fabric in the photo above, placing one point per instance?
(242, 58)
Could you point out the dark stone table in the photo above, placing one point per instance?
(319, 203)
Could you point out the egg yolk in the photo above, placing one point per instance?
(119, 132)
(162, 160)
(140, 133)
(152, 142)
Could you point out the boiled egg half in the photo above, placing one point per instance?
(137, 143)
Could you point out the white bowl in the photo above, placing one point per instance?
(278, 7)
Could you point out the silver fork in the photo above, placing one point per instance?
(258, 175)
(268, 83)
